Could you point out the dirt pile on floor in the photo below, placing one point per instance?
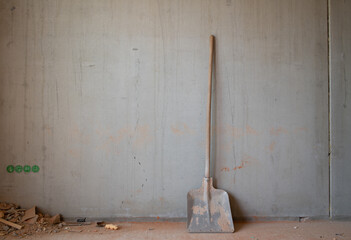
(24, 222)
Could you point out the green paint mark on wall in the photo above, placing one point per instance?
(18, 168)
(10, 168)
(35, 168)
(26, 168)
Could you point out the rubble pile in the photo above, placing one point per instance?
(24, 222)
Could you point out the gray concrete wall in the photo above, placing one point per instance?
(108, 98)
(340, 21)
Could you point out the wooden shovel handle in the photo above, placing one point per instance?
(10, 223)
(208, 137)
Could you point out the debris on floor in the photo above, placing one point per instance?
(55, 219)
(111, 226)
(76, 223)
(81, 219)
(304, 219)
(29, 214)
(24, 222)
(100, 224)
(11, 224)
(76, 230)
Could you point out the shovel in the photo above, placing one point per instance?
(209, 208)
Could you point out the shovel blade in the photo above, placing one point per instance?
(209, 209)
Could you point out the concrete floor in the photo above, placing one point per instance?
(286, 230)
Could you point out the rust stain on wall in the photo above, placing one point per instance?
(245, 161)
(138, 137)
(237, 132)
(74, 153)
(79, 135)
(278, 131)
(242, 164)
(181, 129)
(300, 129)
(240, 132)
(271, 147)
(225, 169)
(250, 130)
(142, 136)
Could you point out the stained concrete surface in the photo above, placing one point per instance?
(108, 98)
(315, 230)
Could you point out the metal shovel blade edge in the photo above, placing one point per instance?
(208, 210)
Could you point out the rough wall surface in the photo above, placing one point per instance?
(108, 98)
(340, 33)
